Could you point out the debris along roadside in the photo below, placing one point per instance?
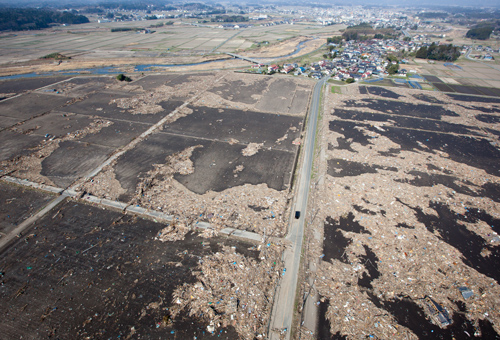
(232, 289)
(406, 227)
(254, 208)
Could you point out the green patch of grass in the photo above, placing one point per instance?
(336, 89)
(122, 77)
(306, 59)
(56, 56)
(427, 87)
(126, 29)
(336, 82)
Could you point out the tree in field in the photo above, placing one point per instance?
(393, 69)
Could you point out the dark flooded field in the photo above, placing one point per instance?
(83, 271)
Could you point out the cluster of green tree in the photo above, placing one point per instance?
(229, 18)
(363, 28)
(335, 40)
(56, 56)
(215, 11)
(137, 5)
(92, 10)
(196, 6)
(432, 15)
(120, 16)
(441, 52)
(476, 13)
(353, 35)
(126, 29)
(18, 19)
(392, 57)
(393, 69)
(161, 24)
(122, 77)
(480, 32)
(388, 34)
(363, 32)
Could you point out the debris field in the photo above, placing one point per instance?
(405, 216)
(216, 147)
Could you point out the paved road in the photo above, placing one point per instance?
(255, 61)
(467, 55)
(283, 308)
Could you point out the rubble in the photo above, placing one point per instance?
(172, 232)
(232, 289)
(251, 149)
(393, 215)
(255, 208)
(104, 184)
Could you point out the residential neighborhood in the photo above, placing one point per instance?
(361, 60)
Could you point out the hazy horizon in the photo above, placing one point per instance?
(402, 3)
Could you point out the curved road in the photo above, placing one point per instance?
(283, 307)
(467, 55)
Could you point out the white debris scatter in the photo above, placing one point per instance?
(232, 289)
(251, 149)
(399, 225)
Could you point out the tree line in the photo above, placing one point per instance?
(441, 52)
(229, 18)
(480, 32)
(19, 19)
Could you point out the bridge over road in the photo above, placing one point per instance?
(246, 58)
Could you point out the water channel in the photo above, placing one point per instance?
(137, 68)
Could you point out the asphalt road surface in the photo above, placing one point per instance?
(283, 308)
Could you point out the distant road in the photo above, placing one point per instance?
(467, 55)
(283, 308)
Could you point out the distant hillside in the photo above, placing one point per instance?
(20, 19)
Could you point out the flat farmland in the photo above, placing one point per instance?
(470, 72)
(407, 215)
(213, 135)
(227, 143)
(203, 149)
(82, 40)
(87, 272)
(94, 45)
